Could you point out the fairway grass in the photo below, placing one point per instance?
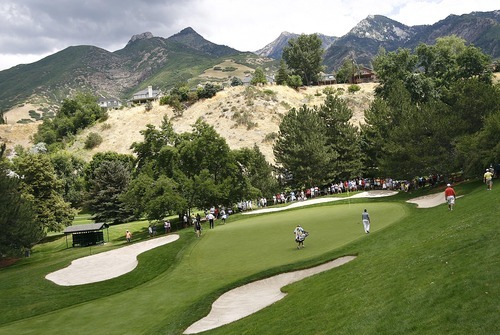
(420, 271)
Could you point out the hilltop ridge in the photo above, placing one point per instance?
(244, 116)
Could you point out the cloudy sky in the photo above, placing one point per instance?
(33, 29)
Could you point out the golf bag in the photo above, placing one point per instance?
(302, 237)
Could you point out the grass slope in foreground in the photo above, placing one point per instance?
(432, 272)
(435, 272)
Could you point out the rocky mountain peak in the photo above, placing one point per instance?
(187, 31)
(143, 36)
(381, 28)
(275, 48)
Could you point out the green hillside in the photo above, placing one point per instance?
(154, 61)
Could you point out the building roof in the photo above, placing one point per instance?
(82, 228)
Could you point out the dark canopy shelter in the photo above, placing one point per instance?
(87, 234)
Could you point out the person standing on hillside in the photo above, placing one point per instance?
(488, 179)
(128, 235)
(150, 231)
(365, 218)
(449, 196)
(197, 228)
(166, 226)
(223, 216)
(211, 218)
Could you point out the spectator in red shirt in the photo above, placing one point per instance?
(449, 196)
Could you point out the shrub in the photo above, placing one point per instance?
(294, 81)
(285, 104)
(104, 116)
(270, 137)
(34, 115)
(353, 88)
(93, 140)
(208, 91)
(269, 92)
(328, 90)
(25, 121)
(244, 118)
(164, 100)
(236, 81)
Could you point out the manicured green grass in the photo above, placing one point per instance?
(420, 271)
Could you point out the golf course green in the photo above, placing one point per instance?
(416, 265)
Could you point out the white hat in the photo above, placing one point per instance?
(448, 184)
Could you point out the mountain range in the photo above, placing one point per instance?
(162, 62)
(363, 42)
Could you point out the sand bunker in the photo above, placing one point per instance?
(106, 265)
(428, 201)
(250, 298)
(431, 200)
(367, 194)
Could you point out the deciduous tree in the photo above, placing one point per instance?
(259, 77)
(70, 171)
(18, 224)
(40, 185)
(304, 57)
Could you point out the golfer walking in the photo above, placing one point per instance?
(449, 196)
(300, 236)
(365, 217)
(488, 179)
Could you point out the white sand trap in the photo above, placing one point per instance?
(431, 200)
(106, 265)
(250, 298)
(367, 194)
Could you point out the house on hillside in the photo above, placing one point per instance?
(109, 103)
(364, 75)
(247, 80)
(326, 79)
(145, 95)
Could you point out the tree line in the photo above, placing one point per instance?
(436, 111)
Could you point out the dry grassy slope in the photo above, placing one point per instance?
(264, 109)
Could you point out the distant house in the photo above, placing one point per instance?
(327, 79)
(145, 95)
(365, 75)
(247, 80)
(109, 103)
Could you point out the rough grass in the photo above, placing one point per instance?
(420, 271)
